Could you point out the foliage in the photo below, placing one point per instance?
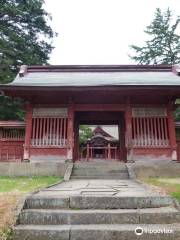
(163, 46)
(24, 35)
(10, 110)
(26, 184)
(85, 133)
(177, 114)
(6, 233)
(25, 38)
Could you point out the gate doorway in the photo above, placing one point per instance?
(103, 137)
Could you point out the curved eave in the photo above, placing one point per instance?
(74, 88)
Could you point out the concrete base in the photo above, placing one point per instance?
(156, 168)
(32, 169)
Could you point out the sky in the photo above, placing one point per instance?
(101, 31)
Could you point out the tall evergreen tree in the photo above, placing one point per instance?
(163, 46)
(25, 38)
(25, 35)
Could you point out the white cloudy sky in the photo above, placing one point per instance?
(100, 31)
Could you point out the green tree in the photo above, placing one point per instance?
(10, 110)
(25, 35)
(25, 38)
(85, 133)
(163, 46)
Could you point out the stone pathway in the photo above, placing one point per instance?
(98, 209)
(98, 188)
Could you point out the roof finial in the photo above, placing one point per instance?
(176, 69)
(23, 70)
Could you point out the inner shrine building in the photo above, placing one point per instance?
(139, 99)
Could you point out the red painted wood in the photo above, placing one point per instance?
(28, 131)
(100, 107)
(128, 120)
(162, 131)
(41, 125)
(171, 128)
(70, 132)
(57, 131)
(148, 131)
(11, 151)
(155, 132)
(166, 131)
(159, 132)
(48, 129)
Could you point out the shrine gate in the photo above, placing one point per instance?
(140, 99)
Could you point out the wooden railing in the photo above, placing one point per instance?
(150, 131)
(49, 131)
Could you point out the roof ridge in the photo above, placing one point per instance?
(98, 68)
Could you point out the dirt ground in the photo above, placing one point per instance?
(8, 205)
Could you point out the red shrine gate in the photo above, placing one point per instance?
(101, 117)
(139, 99)
(144, 132)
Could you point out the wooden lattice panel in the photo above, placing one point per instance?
(149, 112)
(150, 131)
(49, 131)
(50, 112)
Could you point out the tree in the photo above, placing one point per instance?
(163, 46)
(25, 38)
(24, 35)
(85, 133)
(10, 110)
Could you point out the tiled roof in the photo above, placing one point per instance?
(98, 75)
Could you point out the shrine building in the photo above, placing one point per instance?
(138, 99)
(101, 145)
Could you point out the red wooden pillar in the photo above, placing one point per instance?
(77, 149)
(70, 132)
(172, 133)
(28, 130)
(128, 134)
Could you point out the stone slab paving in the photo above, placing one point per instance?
(97, 209)
(99, 188)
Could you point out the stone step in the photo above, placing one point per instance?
(94, 232)
(97, 202)
(97, 163)
(115, 202)
(100, 174)
(85, 171)
(100, 177)
(46, 202)
(165, 215)
(100, 166)
(114, 167)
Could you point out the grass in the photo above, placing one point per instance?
(168, 185)
(25, 184)
(12, 190)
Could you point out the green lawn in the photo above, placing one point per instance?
(26, 184)
(169, 185)
(12, 190)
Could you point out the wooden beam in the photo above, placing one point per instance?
(28, 130)
(70, 132)
(172, 134)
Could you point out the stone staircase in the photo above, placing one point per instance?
(78, 217)
(100, 170)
